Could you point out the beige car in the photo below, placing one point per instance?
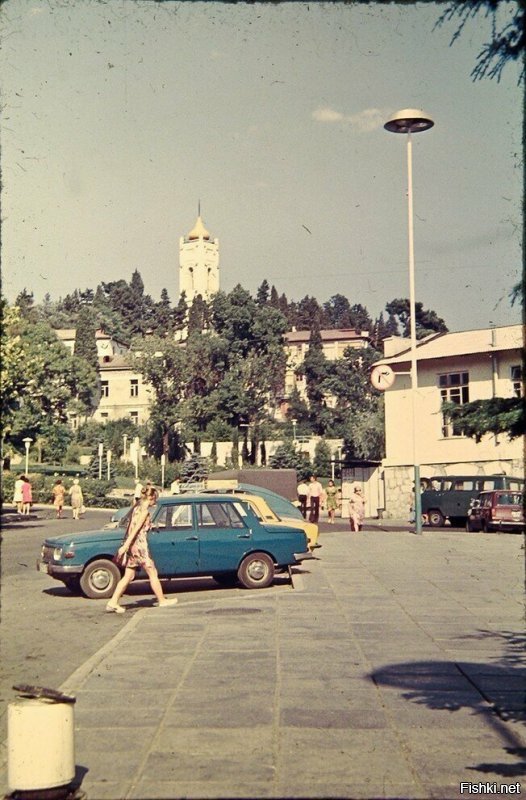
(266, 515)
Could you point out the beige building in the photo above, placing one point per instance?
(334, 343)
(458, 367)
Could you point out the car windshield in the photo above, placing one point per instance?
(510, 499)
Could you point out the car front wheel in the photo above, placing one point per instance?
(99, 579)
(256, 571)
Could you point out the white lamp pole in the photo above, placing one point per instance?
(294, 423)
(163, 464)
(411, 120)
(137, 456)
(108, 462)
(124, 443)
(27, 444)
(101, 451)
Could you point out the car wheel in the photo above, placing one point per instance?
(225, 578)
(256, 571)
(435, 518)
(99, 579)
(72, 584)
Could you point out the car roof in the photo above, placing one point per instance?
(196, 497)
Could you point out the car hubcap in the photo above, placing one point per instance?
(100, 579)
(257, 570)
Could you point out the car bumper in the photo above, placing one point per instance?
(303, 556)
(57, 570)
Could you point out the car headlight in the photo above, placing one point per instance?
(57, 554)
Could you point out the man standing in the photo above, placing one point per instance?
(303, 496)
(315, 495)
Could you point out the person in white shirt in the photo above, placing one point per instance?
(303, 496)
(315, 497)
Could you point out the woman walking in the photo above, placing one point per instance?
(18, 497)
(27, 496)
(331, 493)
(59, 493)
(356, 509)
(77, 498)
(135, 550)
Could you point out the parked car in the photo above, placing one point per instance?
(217, 535)
(500, 510)
(267, 516)
(448, 497)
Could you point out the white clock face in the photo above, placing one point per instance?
(382, 377)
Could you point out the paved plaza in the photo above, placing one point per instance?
(393, 669)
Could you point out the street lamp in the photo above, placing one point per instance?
(412, 120)
(163, 465)
(108, 463)
(124, 442)
(27, 443)
(294, 423)
(137, 452)
(101, 451)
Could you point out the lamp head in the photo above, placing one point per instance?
(409, 120)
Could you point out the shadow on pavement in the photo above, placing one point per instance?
(500, 692)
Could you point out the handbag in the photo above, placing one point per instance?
(120, 560)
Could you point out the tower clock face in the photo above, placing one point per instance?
(382, 377)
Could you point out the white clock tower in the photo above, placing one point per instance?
(198, 263)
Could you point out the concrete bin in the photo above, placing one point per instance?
(40, 740)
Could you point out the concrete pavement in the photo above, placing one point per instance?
(393, 669)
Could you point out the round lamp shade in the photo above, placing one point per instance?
(409, 120)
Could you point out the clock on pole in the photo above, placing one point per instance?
(382, 377)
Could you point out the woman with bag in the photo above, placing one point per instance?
(133, 554)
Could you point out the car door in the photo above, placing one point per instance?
(225, 534)
(173, 540)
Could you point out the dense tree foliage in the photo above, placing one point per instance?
(506, 30)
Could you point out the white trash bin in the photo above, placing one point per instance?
(40, 740)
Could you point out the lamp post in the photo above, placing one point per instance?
(163, 465)
(137, 451)
(27, 444)
(411, 120)
(101, 451)
(294, 423)
(124, 443)
(108, 463)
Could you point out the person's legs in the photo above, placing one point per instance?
(157, 589)
(113, 603)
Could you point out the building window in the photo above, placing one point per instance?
(134, 416)
(104, 389)
(516, 379)
(454, 388)
(134, 387)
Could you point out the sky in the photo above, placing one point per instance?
(119, 117)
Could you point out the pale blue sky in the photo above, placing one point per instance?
(119, 116)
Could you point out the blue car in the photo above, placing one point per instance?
(217, 535)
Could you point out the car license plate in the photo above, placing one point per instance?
(42, 567)
(516, 515)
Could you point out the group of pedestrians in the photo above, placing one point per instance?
(76, 498)
(312, 496)
(23, 495)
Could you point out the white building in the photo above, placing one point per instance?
(198, 263)
(458, 367)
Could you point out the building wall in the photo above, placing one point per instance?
(489, 375)
(199, 268)
(121, 400)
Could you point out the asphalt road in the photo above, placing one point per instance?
(46, 632)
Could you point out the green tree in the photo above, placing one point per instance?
(427, 321)
(322, 458)
(498, 415)
(315, 370)
(337, 312)
(507, 37)
(85, 341)
(287, 457)
(263, 294)
(14, 364)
